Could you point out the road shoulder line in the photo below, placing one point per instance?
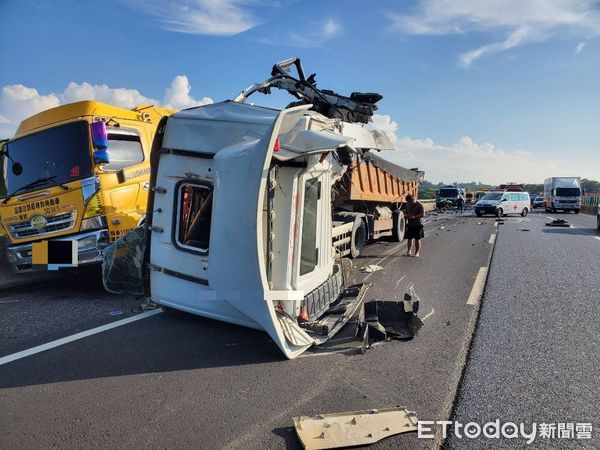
(478, 285)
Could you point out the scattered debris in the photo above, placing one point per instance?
(558, 223)
(393, 319)
(371, 268)
(441, 228)
(480, 223)
(116, 312)
(524, 229)
(349, 429)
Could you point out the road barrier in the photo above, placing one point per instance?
(428, 205)
(589, 205)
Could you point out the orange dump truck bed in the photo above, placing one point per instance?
(378, 180)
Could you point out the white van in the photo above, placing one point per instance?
(501, 203)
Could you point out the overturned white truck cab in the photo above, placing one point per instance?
(239, 222)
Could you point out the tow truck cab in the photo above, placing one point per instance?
(59, 182)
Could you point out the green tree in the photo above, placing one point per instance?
(590, 185)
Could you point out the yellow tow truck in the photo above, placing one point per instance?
(78, 172)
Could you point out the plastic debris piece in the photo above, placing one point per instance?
(353, 428)
(116, 312)
(122, 264)
(371, 268)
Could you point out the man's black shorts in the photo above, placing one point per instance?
(414, 232)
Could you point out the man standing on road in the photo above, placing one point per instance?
(460, 203)
(414, 228)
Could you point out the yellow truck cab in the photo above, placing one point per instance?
(59, 182)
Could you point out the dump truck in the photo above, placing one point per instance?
(252, 209)
(75, 173)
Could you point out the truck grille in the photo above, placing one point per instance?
(58, 222)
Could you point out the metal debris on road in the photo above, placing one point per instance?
(349, 429)
(393, 319)
(558, 223)
(116, 312)
(371, 268)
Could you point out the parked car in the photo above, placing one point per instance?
(501, 203)
(538, 201)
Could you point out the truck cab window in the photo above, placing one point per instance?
(308, 251)
(194, 210)
(125, 149)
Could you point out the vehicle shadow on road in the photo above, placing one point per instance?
(572, 231)
(170, 341)
(289, 436)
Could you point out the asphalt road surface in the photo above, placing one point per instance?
(176, 380)
(536, 353)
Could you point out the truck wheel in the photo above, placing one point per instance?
(499, 212)
(399, 226)
(576, 211)
(359, 237)
(524, 212)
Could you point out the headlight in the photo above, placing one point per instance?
(93, 223)
(94, 206)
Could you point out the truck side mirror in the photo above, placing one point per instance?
(101, 156)
(16, 167)
(100, 142)
(99, 135)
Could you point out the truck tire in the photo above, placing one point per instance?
(399, 226)
(359, 237)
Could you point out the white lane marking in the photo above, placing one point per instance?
(495, 224)
(478, 285)
(492, 238)
(596, 237)
(398, 282)
(428, 315)
(49, 345)
(551, 218)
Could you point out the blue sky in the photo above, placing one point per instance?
(474, 90)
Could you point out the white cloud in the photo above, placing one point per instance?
(470, 161)
(520, 21)
(385, 123)
(126, 98)
(208, 17)
(579, 47)
(17, 102)
(464, 161)
(310, 36)
(177, 95)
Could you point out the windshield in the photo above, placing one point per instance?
(492, 196)
(448, 192)
(568, 192)
(62, 152)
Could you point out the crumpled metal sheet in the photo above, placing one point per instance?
(122, 264)
(392, 319)
(348, 429)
